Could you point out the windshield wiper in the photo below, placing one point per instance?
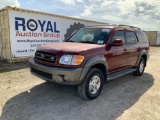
(70, 41)
(87, 42)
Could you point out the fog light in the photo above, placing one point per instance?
(65, 77)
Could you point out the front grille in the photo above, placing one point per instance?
(46, 57)
(41, 73)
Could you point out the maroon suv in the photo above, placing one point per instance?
(92, 56)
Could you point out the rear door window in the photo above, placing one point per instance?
(131, 38)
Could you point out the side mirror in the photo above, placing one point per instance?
(117, 42)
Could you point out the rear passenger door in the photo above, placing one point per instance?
(132, 47)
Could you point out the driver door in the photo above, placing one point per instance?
(118, 56)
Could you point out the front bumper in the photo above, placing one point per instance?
(58, 75)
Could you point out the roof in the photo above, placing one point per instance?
(114, 26)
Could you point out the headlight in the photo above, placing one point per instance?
(71, 59)
(66, 59)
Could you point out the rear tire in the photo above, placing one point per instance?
(92, 84)
(140, 68)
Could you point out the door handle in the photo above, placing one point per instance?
(125, 49)
(139, 48)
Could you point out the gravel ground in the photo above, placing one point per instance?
(25, 97)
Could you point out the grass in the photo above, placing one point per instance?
(155, 45)
(2, 66)
(5, 66)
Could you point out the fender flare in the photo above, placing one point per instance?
(143, 52)
(91, 62)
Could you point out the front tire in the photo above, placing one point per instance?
(92, 84)
(140, 68)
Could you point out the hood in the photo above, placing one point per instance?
(68, 47)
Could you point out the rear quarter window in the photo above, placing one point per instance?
(141, 36)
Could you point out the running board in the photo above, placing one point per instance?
(118, 74)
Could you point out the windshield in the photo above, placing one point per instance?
(90, 35)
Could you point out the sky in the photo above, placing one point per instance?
(140, 13)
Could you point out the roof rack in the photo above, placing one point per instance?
(103, 25)
(129, 26)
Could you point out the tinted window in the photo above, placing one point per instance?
(131, 38)
(119, 35)
(142, 36)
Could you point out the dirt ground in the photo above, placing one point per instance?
(25, 97)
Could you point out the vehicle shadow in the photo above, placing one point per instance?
(54, 102)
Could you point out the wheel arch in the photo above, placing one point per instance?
(98, 62)
(102, 68)
(144, 55)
